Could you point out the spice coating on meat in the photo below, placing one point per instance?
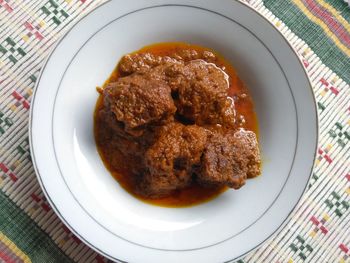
(139, 62)
(138, 100)
(229, 159)
(170, 160)
(203, 95)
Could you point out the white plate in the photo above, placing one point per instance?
(92, 203)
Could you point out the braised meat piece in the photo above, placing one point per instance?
(112, 123)
(202, 95)
(139, 100)
(187, 54)
(144, 62)
(165, 68)
(138, 62)
(230, 159)
(171, 158)
(191, 54)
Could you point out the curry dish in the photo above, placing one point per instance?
(176, 126)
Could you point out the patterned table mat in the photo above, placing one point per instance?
(319, 231)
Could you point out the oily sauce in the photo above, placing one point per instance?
(121, 169)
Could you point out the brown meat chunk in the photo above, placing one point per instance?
(247, 146)
(208, 56)
(191, 54)
(143, 62)
(158, 68)
(171, 158)
(230, 159)
(202, 95)
(138, 100)
(138, 62)
(112, 123)
(187, 55)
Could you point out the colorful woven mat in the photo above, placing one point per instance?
(319, 231)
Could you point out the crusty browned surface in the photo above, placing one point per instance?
(203, 96)
(174, 117)
(139, 100)
(139, 62)
(171, 158)
(229, 159)
(247, 148)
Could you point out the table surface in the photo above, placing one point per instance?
(319, 230)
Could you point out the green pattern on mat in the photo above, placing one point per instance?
(318, 41)
(18, 226)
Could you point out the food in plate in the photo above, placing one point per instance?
(176, 126)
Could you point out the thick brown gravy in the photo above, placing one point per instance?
(194, 194)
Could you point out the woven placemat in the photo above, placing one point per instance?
(319, 231)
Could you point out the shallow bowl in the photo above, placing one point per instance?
(95, 207)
